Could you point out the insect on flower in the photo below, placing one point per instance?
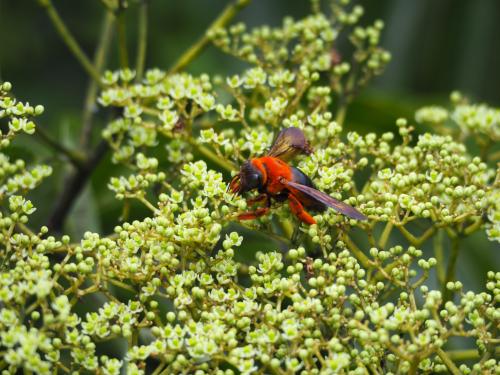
(274, 178)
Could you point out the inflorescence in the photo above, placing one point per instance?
(170, 285)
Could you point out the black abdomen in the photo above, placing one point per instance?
(309, 203)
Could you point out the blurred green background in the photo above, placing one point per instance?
(437, 46)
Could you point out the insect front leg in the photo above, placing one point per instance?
(298, 210)
(250, 215)
(258, 199)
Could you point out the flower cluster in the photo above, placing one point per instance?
(466, 119)
(173, 289)
(18, 117)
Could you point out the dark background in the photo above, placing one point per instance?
(437, 46)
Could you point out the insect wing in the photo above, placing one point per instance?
(288, 143)
(338, 206)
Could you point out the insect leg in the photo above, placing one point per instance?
(258, 212)
(298, 210)
(234, 185)
(259, 198)
(250, 215)
(281, 197)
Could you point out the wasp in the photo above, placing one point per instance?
(275, 179)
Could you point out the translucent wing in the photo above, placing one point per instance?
(319, 196)
(288, 143)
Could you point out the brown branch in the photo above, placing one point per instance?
(76, 158)
(73, 185)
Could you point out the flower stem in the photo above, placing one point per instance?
(439, 254)
(414, 366)
(417, 241)
(147, 203)
(360, 256)
(211, 156)
(462, 355)
(288, 228)
(385, 235)
(24, 228)
(121, 285)
(142, 39)
(122, 40)
(159, 369)
(448, 362)
(340, 116)
(224, 18)
(474, 226)
(99, 62)
(69, 39)
(450, 271)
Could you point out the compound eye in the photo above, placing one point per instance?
(253, 180)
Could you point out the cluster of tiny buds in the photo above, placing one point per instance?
(17, 113)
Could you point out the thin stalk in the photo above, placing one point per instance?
(463, 355)
(69, 39)
(346, 98)
(416, 241)
(99, 62)
(340, 116)
(26, 230)
(211, 156)
(287, 228)
(384, 272)
(385, 235)
(121, 285)
(142, 39)
(408, 235)
(426, 235)
(224, 18)
(451, 269)
(64, 368)
(474, 226)
(439, 254)
(148, 204)
(159, 369)
(448, 362)
(360, 256)
(122, 40)
(414, 366)
(134, 339)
